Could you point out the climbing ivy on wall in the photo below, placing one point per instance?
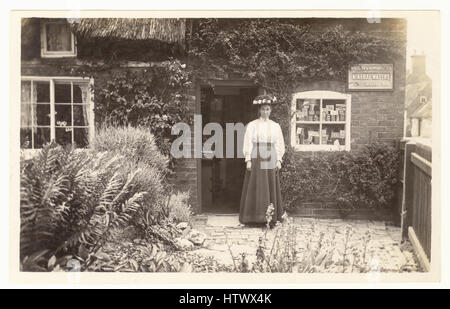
(279, 53)
(155, 97)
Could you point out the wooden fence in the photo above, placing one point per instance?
(416, 198)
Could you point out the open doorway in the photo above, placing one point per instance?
(222, 178)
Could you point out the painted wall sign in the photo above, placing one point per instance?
(371, 77)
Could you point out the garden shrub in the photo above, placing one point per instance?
(80, 199)
(70, 202)
(358, 179)
(178, 209)
(137, 144)
(155, 97)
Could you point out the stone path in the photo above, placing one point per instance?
(387, 252)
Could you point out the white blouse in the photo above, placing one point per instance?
(264, 131)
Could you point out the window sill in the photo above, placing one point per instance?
(58, 55)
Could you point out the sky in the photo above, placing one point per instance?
(423, 37)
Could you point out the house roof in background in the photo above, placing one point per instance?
(413, 92)
(170, 30)
(425, 111)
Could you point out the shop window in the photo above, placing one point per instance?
(320, 121)
(57, 40)
(58, 109)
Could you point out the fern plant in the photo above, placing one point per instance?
(71, 200)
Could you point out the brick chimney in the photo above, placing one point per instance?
(418, 64)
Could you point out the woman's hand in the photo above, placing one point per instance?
(249, 165)
(278, 165)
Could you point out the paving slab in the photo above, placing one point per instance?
(384, 251)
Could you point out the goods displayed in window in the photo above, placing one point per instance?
(308, 110)
(333, 112)
(321, 121)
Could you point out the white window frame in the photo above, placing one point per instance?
(56, 54)
(52, 80)
(321, 95)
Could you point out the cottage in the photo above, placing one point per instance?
(326, 112)
(418, 97)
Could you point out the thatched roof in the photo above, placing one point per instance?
(170, 30)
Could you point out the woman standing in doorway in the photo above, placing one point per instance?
(263, 150)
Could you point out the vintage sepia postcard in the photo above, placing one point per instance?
(225, 146)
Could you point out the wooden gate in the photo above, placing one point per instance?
(416, 206)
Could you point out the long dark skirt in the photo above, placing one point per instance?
(261, 188)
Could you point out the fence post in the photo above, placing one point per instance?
(408, 188)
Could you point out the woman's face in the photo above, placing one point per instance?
(264, 111)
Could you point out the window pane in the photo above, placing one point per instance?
(41, 136)
(333, 110)
(25, 138)
(63, 136)
(63, 115)
(80, 92)
(80, 115)
(42, 92)
(62, 93)
(308, 109)
(81, 137)
(43, 114)
(59, 37)
(307, 134)
(333, 134)
(25, 92)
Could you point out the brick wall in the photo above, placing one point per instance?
(185, 177)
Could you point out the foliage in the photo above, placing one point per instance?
(138, 148)
(177, 208)
(136, 256)
(151, 256)
(289, 247)
(277, 53)
(137, 144)
(281, 255)
(70, 201)
(73, 201)
(155, 97)
(363, 178)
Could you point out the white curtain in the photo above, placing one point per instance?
(85, 99)
(28, 106)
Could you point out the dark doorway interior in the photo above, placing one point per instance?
(222, 178)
